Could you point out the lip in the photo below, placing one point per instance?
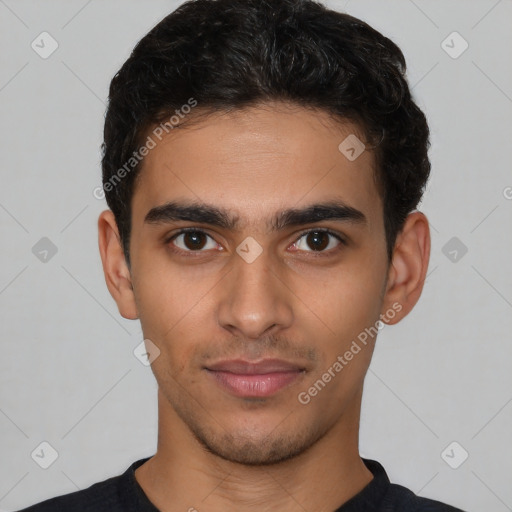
(254, 380)
(239, 366)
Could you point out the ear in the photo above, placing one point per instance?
(408, 268)
(115, 268)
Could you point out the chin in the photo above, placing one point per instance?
(251, 449)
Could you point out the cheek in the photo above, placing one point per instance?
(343, 301)
(167, 295)
(349, 304)
(358, 308)
(173, 307)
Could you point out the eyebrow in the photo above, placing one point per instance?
(208, 214)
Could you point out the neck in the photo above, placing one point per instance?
(182, 475)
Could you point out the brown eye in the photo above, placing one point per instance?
(317, 241)
(193, 241)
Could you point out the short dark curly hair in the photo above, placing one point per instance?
(229, 54)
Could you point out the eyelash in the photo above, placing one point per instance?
(305, 232)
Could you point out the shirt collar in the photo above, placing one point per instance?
(368, 499)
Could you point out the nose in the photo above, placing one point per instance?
(254, 299)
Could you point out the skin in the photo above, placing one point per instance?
(220, 452)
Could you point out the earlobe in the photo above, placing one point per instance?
(115, 268)
(408, 268)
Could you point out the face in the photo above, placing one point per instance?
(258, 257)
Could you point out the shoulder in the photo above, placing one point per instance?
(112, 495)
(380, 495)
(101, 496)
(92, 498)
(401, 498)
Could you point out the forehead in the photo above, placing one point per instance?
(258, 160)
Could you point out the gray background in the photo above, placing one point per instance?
(68, 373)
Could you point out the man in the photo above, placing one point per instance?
(263, 161)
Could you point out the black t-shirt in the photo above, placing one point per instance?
(124, 494)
